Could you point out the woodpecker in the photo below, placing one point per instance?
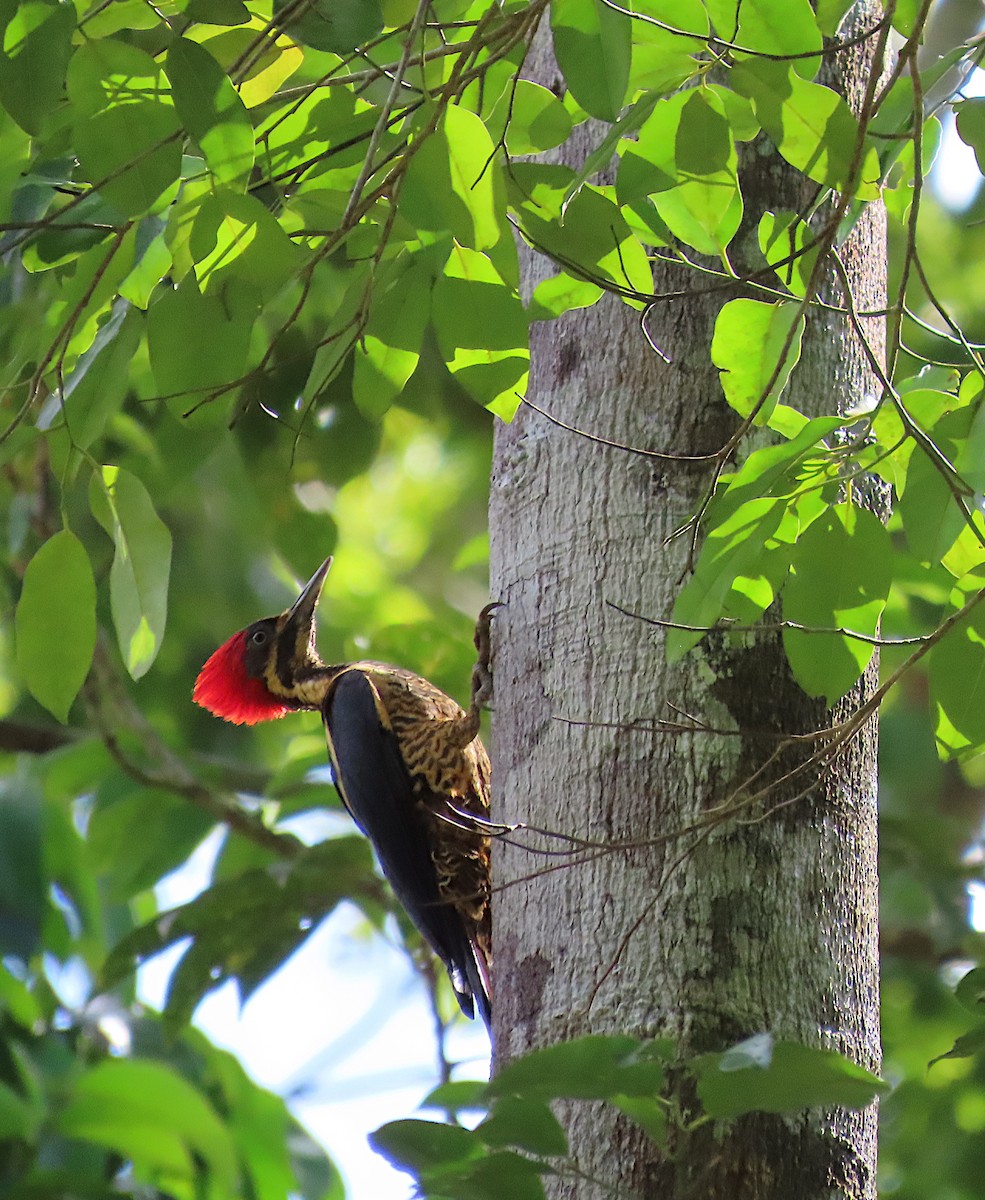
(408, 765)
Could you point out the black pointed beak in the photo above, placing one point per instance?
(301, 615)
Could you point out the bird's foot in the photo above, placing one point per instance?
(482, 680)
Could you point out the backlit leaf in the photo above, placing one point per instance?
(127, 131)
(35, 46)
(482, 331)
(733, 547)
(685, 160)
(785, 241)
(592, 44)
(957, 678)
(755, 347)
(451, 185)
(235, 241)
(811, 126)
(932, 517)
(840, 578)
(534, 118)
(390, 349)
(98, 385)
(212, 111)
(590, 237)
(559, 294)
(770, 27)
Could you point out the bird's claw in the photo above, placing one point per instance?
(482, 680)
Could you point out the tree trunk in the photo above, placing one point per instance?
(768, 925)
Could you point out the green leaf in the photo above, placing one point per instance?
(766, 471)
(559, 294)
(196, 342)
(451, 184)
(423, 1145)
(770, 27)
(525, 1123)
(781, 1077)
(593, 47)
(335, 25)
(150, 1115)
(127, 132)
(97, 386)
(733, 547)
(906, 13)
(16, 998)
(591, 238)
(601, 156)
(459, 1095)
(926, 404)
(840, 578)
(970, 992)
(294, 133)
(830, 14)
(234, 241)
(499, 1174)
(123, 14)
(136, 836)
(35, 46)
(685, 160)
(19, 1119)
(138, 581)
(595, 1067)
(811, 126)
(482, 331)
(663, 60)
(389, 351)
(932, 518)
(968, 1045)
(649, 1113)
(749, 339)
(55, 623)
(785, 241)
(957, 679)
(747, 524)
(533, 117)
(211, 111)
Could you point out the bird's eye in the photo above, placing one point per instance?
(259, 637)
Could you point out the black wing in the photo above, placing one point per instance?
(376, 788)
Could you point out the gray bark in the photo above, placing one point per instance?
(768, 925)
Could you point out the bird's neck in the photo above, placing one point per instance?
(303, 687)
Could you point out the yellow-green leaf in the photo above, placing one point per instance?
(55, 623)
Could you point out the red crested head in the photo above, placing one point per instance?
(227, 690)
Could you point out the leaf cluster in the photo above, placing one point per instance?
(519, 1139)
